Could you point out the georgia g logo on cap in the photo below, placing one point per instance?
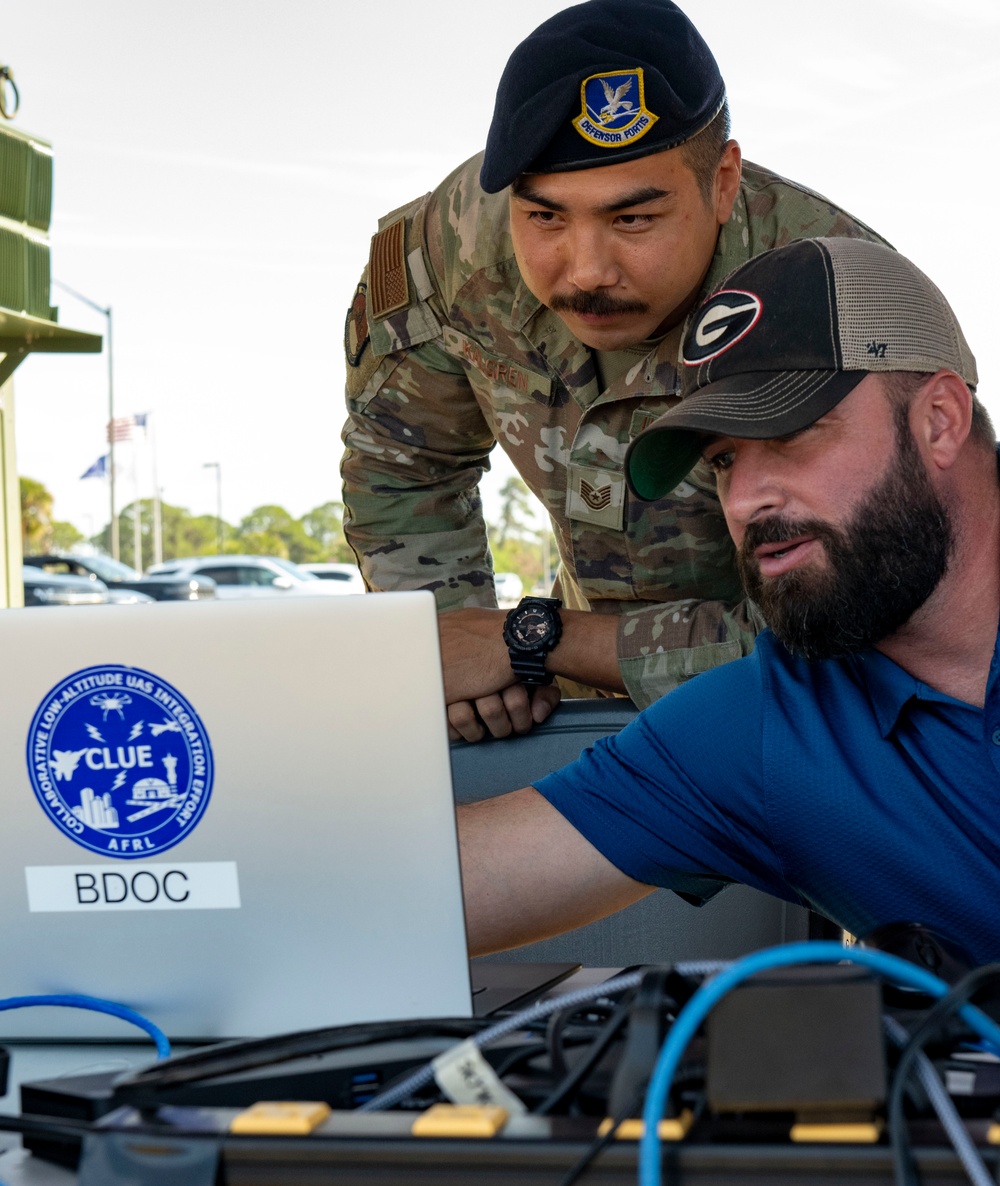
(725, 318)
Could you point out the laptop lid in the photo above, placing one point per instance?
(234, 817)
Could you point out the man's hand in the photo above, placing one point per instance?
(480, 688)
(516, 709)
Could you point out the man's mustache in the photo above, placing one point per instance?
(777, 530)
(597, 304)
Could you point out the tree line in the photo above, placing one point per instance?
(517, 541)
(268, 530)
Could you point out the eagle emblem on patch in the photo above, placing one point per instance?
(613, 108)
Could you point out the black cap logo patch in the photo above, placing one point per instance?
(723, 320)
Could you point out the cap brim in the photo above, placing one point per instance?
(757, 406)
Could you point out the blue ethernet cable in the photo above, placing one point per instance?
(95, 1005)
(787, 955)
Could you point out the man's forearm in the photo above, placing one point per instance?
(527, 873)
(476, 661)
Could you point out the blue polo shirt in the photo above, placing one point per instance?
(846, 785)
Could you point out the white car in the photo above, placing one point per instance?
(509, 587)
(252, 576)
(346, 574)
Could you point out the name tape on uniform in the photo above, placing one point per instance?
(200, 885)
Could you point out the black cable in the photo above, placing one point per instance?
(599, 1144)
(586, 1064)
(597, 1147)
(903, 1167)
(44, 1125)
(235, 1057)
(553, 1036)
(557, 1025)
(519, 1056)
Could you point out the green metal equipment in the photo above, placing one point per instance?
(28, 323)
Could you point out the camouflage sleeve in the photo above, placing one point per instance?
(661, 646)
(416, 446)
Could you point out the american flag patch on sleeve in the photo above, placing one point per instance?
(388, 289)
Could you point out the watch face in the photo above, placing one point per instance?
(531, 626)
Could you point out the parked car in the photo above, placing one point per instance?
(251, 576)
(54, 588)
(47, 588)
(509, 587)
(331, 570)
(118, 576)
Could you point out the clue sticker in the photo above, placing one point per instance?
(120, 761)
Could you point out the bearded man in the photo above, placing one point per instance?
(852, 763)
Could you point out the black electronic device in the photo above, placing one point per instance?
(805, 1040)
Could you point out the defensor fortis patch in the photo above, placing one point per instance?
(613, 108)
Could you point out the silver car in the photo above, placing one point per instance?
(252, 576)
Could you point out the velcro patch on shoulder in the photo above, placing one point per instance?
(388, 289)
(356, 336)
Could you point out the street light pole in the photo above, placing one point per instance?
(218, 500)
(106, 313)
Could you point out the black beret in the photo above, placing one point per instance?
(598, 83)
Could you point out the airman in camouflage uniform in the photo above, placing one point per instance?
(450, 353)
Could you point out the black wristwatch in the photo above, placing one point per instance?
(532, 629)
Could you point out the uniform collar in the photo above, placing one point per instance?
(732, 248)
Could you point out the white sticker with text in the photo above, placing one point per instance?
(467, 1078)
(202, 885)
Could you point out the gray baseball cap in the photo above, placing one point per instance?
(788, 335)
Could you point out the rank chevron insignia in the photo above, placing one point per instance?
(596, 499)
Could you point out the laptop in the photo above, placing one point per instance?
(234, 817)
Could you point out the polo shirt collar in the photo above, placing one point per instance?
(890, 688)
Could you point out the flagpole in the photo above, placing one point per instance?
(105, 311)
(136, 511)
(157, 509)
(218, 500)
(115, 543)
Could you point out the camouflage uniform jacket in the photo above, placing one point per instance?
(462, 356)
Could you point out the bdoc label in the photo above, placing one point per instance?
(194, 885)
(120, 761)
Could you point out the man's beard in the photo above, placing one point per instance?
(598, 304)
(881, 566)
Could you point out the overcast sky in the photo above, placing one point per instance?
(220, 166)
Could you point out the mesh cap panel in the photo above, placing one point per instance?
(891, 316)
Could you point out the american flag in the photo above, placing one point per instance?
(120, 429)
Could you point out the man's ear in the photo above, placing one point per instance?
(941, 417)
(727, 181)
